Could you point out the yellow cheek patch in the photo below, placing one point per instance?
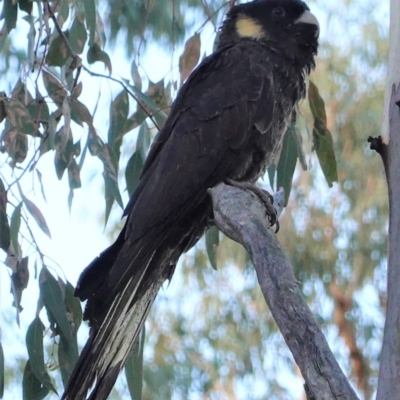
(247, 27)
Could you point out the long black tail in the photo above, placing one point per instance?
(108, 347)
(120, 298)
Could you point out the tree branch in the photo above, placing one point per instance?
(377, 144)
(241, 216)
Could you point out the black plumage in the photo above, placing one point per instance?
(227, 122)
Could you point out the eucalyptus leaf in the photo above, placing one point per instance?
(133, 171)
(32, 388)
(119, 109)
(53, 300)
(34, 345)
(77, 35)
(15, 226)
(212, 243)
(90, 15)
(5, 233)
(10, 13)
(287, 162)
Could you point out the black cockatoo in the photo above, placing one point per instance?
(227, 123)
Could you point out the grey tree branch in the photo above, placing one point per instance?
(241, 216)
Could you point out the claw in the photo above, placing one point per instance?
(266, 198)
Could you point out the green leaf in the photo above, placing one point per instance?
(25, 5)
(19, 117)
(1, 372)
(39, 110)
(322, 138)
(15, 225)
(58, 52)
(10, 13)
(98, 148)
(133, 171)
(111, 193)
(68, 355)
(36, 213)
(323, 146)
(54, 88)
(271, 175)
(73, 305)
(95, 53)
(63, 13)
(212, 243)
(108, 196)
(300, 151)
(317, 104)
(134, 368)
(34, 345)
(32, 388)
(90, 14)
(77, 34)
(5, 233)
(119, 109)
(137, 81)
(143, 140)
(110, 174)
(287, 162)
(53, 300)
(47, 142)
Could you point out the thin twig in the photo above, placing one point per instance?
(59, 30)
(209, 17)
(139, 102)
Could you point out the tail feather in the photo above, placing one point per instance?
(108, 347)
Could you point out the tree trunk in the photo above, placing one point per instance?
(389, 373)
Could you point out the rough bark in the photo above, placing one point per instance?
(241, 216)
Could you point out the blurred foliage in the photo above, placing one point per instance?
(217, 339)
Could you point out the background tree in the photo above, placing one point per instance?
(68, 99)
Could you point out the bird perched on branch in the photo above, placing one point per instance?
(226, 124)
